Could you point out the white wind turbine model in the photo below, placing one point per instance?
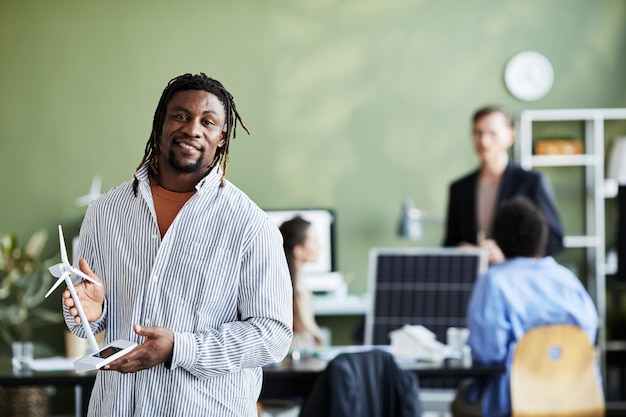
(63, 271)
(92, 361)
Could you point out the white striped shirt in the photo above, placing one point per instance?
(218, 279)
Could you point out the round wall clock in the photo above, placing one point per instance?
(529, 76)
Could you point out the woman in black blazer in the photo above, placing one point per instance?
(474, 198)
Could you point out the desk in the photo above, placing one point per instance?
(289, 379)
(296, 378)
(83, 384)
(347, 305)
(343, 315)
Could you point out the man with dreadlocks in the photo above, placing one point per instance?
(192, 270)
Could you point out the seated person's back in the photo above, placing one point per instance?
(525, 291)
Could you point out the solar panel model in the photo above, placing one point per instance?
(427, 286)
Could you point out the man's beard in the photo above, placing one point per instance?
(187, 168)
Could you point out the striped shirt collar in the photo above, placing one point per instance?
(210, 181)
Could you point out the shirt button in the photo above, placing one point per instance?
(147, 321)
(155, 278)
(154, 237)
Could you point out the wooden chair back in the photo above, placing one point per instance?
(553, 373)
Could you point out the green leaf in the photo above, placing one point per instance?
(46, 316)
(36, 244)
(24, 280)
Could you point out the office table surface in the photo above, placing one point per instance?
(290, 378)
(295, 378)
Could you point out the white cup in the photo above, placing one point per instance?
(456, 338)
(302, 346)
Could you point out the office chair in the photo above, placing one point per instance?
(364, 384)
(553, 373)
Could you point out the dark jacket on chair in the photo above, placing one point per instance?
(364, 384)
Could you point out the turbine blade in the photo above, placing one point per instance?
(62, 244)
(84, 276)
(96, 184)
(56, 284)
(56, 270)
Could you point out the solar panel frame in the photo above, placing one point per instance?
(427, 286)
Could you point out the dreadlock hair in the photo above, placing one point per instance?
(183, 83)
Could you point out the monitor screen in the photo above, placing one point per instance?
(323, 220)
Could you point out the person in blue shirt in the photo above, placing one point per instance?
(524, 291)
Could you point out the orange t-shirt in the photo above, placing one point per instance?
(167, 204)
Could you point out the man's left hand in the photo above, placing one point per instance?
(156, 349)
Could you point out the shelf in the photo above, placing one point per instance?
(348, 305)
(565, 160)
(596, 190)
(563, 115)
(581, 241)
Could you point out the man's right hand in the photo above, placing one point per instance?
(91, 295)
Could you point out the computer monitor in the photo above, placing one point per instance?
(323, 221)
(426, 286)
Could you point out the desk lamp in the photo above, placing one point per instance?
(410, 226)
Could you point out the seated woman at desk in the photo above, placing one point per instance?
(301, 246)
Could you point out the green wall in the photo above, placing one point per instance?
(352, 104)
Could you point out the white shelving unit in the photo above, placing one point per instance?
(597, 189)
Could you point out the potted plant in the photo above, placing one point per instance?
(24, 280)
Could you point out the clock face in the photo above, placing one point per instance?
(529, 76)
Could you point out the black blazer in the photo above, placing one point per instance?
(461, 221)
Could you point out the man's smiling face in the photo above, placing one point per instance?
(192, 131)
